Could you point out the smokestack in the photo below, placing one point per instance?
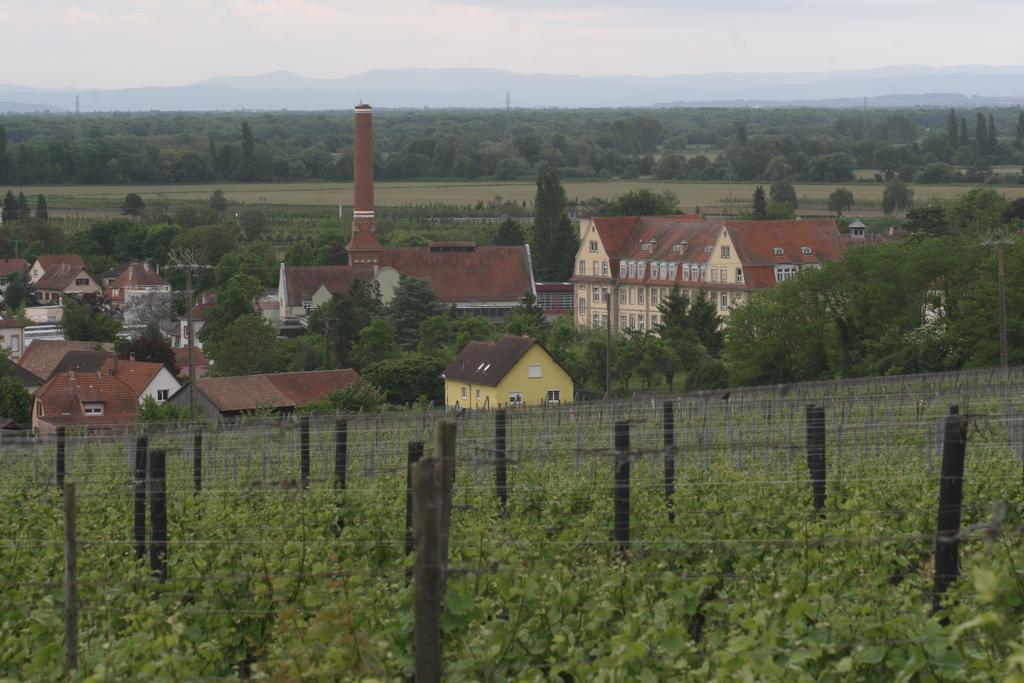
(364, 247)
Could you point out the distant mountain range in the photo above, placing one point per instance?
(896, 86)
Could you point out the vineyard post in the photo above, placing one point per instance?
(197, 460)
(428, 572)
(446, 431)
(669, 429)
(500, 466)
(61, 439)
(158, 513)
(141, 466)
(622, 486)
(340, 455)
(304, 451)
(951, 489)
(415, 453)
(816, 454)
(70, 583)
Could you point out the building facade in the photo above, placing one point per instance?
(626, 266)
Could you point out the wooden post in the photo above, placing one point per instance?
(622, 486)
(816, 454)
(61, 441)
(951, 490)
(669, 429)
(446, 431)
(158, 513)
(414, 455)
(340, 454)
(429, 570)
(141, 466)
(304, 450)
(70, 583)
(500, 465)
(197, 461)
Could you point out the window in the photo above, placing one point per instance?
(778, 251)
(92, 408)
(465, 393)
(307, 305)
(805, 250)
(714, 274)
(671, 271)
(725, 251)
(654, 271)
(604, 295)
(604, 268)
(515, 398)
(162, 394)
(554, 396)
(81, 282)
(739, 275)
(639, 295)
(623, 270)
(654, 296)
(641, 268)
(622, 294)
(703, 273)
(593, 246)
(15, 343)
(632, 321)
(597, 320)
(640, 320)
(622, 321)
(593, 270)
(632, 269)
(654, 320)
(604, 320)
(3, 282)
(686, 271)
(478, 394)
(784, 273)
(724, 301)
(583, 267)
(631, 294)
(39, 408)
(534, 371)
(723, 274)
(708, 250)
(583, 304)
(597, 294)
(734, 298)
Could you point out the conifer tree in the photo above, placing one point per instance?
(553, 234)
(965, 138)
(993, 143)
(760, 204)
(510, 234)
(981, 134)
(10, 206)
(953, 130)
(42, 210)
(23, 208)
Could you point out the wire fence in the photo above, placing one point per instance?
(272, 523)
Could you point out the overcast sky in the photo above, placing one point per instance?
(125, 43)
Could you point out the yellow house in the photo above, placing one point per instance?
(511, 371)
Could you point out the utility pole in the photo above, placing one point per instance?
(186, 260)
(1004, 350)
(608, 347)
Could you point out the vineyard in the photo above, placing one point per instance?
(724, 536)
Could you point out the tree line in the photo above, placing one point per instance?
(739, 144)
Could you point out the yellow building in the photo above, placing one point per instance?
(509, 372)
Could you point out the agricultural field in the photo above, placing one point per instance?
(65, 200)
(743, 580)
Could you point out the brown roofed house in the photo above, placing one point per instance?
(44, 355)
(282, 392)
(53, 277)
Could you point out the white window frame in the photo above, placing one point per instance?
(604, 268)
(92, 409)
(723, 301)
(583, 267)
(593, 246)
(739, 276)
(554, 396)
(672, 269)
(465, 393)
(515, 398)
(725, 251)
(655, 272)
(163, 394)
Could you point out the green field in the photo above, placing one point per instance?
(707, 195)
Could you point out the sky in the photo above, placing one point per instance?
(131, 43)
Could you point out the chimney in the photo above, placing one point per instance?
(363, 247)
(131, 272)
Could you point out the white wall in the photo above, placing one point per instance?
(163, 380)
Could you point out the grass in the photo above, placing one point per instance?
(68, 199)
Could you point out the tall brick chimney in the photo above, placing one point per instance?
(364, 247)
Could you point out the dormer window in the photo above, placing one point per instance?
(632, 269)
(640, 268)
(806, 251)
(708, 250)
(92, 408)
(778, 251)
(654, 271)
(672, 271)
(623, 269)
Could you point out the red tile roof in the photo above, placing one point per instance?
(301, 282)
(487, 363)
(13, 265)
(480, 274)
(63, 394)
(60, 276)
(136, 374)
(42, 356)
(616, 231)
(135, 274)
(48, 261)
(181, 359)
(11, 324)
(283, 390)
(755, 242)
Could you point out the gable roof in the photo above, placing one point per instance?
(81, 360)
(667, 232)
(13, 265)
(487, 363)
(60, 276)
(42, 355)
(276, 390)
(63, 394)
(138, 274)
(23, 376)
(463, 272)
(135, 373)
(615, 231)
(181, 359)
(302, 282)
(48, 261)
(755, 241)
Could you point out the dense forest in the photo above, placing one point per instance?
(923, 144)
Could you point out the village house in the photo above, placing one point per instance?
(135, 282)
(513, 371)
(199, 310)
(12, 337)
(630, 264)
(11, 268)
(54, 277)
(226, 398)
(44, 357)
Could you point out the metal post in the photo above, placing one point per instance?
(951, 490)
(622, 486)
